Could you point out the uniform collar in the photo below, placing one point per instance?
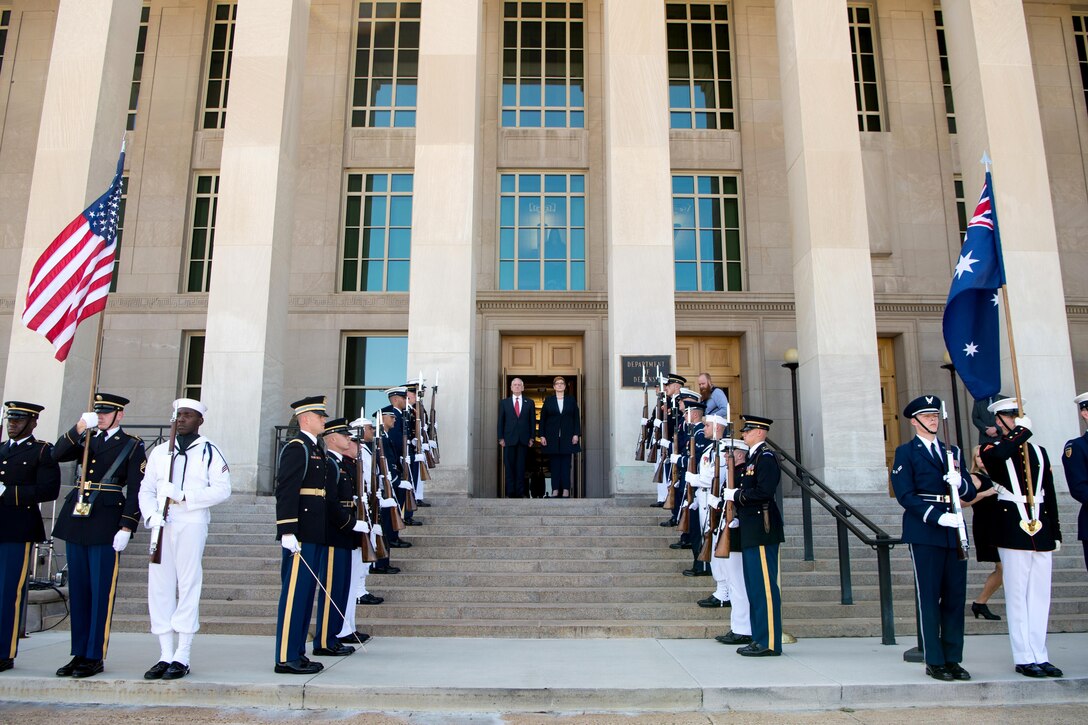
(337, 456)
(21, 441)
(311, 436)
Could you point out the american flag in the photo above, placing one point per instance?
(71, 279)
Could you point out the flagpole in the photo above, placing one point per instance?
(82, 506)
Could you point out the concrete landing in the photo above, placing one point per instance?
(540, 675)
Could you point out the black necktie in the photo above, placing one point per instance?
(936, 451)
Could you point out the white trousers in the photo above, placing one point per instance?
(357, 589)
(740, 617)
(419, 484)
(1026, 576)
(173, 587)
(662, 492)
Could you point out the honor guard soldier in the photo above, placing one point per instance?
(761, 532)
(301, 524)
(923, 483)
(387, 420)
(394, 418)
(412, 450)
(1075, 462)
(178, 491)
(693, 412)
(729, 571)
(1028, 533)
(28, 477)
(670, 439)
(96, 523)
(343, 531)
(418, 445)
(362, 434)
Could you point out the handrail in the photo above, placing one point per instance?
(845, 515)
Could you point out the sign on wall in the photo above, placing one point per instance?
(633, 365)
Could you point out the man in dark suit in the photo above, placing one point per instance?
(96, 524)
(517, 421)
(28, 477)
(1075, 462)
(921, 478)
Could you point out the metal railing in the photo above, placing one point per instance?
(848, 520)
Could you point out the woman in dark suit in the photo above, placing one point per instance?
(560, 430)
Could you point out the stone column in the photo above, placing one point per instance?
(247, 301)
(638, 208)
(839, 379)
(997, 110)
(445, 226)
(83, 119)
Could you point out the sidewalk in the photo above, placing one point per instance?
(542, 675)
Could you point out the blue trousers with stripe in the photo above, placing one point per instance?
(764, 596)
(14, 570)
(336, 578)
(92, 587)
(942, 591)
(297, 599)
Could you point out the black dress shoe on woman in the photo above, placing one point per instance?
(981, 610)
(1030, 670)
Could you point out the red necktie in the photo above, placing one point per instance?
(517, 407)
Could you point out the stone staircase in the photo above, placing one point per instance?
(570, 568)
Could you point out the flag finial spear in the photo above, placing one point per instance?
(986, 161)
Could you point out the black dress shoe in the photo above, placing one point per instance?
(957, 672)
(175, 671)
(680, 545)
(369, 598)
(400, 545)
(355, 638)
(696, 572)
(336, 650)
(68, 669)
(298, 667)
(421, 502)
(1030, 670)
(668, 523)
(7, 664)
(981, 610)
(413, 522)
(157, 670)
(657, 504)
(1050, 670)
(732, 637)
(87, 668)
(754, 650)
(712, 602)
(385, 570)
(939, 672)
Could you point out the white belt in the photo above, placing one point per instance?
(1004, 494)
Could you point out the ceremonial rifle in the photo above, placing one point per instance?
(640, 447)
(432, 423)
(406, 469)
(372, 499)
(655, 437)
(394, 514)
(951, 465)
(689, 491)
(715, 513)
(421, 439)
(722, 550)
(155, 549)
(362, 505)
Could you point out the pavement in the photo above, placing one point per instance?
(451, 675)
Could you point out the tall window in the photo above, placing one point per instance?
(120, 232)
(377, 233)
(946, 75)
(219, 56)
(1080, 35)
(700, 72)
(542, 232)
(543, 71)
(706, 233)
(192, 364)
(961, 207)
(386, 65)
(138, 66)
(5, 21)
(371, 365)
(202, 237)
(866, 77)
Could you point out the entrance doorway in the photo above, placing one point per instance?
(536, 360)
(719, 356)
(889, 396)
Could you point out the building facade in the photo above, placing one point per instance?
(330, 196)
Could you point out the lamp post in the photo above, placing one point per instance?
(955, 398)
(791, 364)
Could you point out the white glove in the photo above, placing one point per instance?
(643, 421)
(657, 423)
(694, 504)
(90, 420)
(405, 485)
(388, 503)
(421, 458)
(376, 529)
(953, 478)
(154, 521)
(120, 540)
(1057, 546)
(290, 542)
(1023, 422)
(361, 527)
(729, 494)
(674, 458)
(950, 520)
(692, 478)
(713, 501)
(170, 490)
(665, 443)
(2, 489)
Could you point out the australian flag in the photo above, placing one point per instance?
(971, 322)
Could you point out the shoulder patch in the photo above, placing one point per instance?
(1069, 451)
(898, 468)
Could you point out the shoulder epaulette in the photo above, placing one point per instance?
(296, 440)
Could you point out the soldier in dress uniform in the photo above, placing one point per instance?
(670, 412)
(343, 535)
(1027, 535)
(921, 478)
(419, 447)
(413, 453)
(394, 418)
(28, 477)
(678, 459)
(200, 479)
(693, 412)
(301, 526)
(1075, 462)
(98, 529)
(362, 433)
(761, 532)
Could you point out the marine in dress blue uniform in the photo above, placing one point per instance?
(28, 477)
(94, 542)
(1075, 463)
(301, 524)
(921, 479)
(761, 533)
